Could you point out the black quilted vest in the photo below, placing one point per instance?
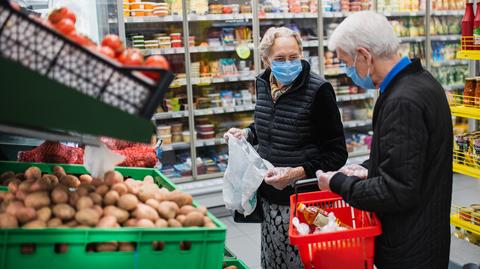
(284, 129)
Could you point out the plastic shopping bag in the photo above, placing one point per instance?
(99, 160)
(244, 175)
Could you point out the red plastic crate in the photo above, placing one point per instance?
(351, 249)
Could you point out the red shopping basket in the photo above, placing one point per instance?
(351, 249)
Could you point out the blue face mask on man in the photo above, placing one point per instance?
(286, 72)
(365, 82)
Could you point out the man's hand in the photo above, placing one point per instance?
(281, 177)
(324, 179)
(354, 170)
(237, 133)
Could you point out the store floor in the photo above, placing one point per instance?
(244, 239)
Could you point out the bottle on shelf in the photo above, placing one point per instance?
(476, 27)
(467, 26)
(317, 216)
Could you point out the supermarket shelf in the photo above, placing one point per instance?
(404, 14)
(446, 37)
(170, 115)
(466, 170)
(336, 14)
(448, 12)
(416, 39)
(352, 97)
(465, 112)
(453, 87)
(469, 54)
(288, 16)
(200, 143)
(357, 123)
(203, 81)
(310, 43)
(334, 72)
(450, 63)
(191, 17)
(456, 221)
(203, 112)
(210, 176)
(197, 49)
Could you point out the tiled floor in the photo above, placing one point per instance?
(244, 239)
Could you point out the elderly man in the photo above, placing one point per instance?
(409, 179)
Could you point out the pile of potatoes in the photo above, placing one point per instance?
(59, 201)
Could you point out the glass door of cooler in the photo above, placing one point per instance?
(445, 31)
(222, 77)
(156, 28)
(355, 104)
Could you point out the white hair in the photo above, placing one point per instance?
(365, 29)
(269, 39)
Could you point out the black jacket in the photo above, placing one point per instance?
(410, 173)
(303, 128)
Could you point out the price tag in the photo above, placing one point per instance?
(210, 142)
(202, 49)
(137, 19)
(216, 17)
(218, 110)
(168, 18)
(229, 109)
(218, 80)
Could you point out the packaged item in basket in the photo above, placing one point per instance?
(317, 216)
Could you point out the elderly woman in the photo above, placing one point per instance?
(297, 127)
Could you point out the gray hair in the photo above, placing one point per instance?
(270, 36)
(366, 29)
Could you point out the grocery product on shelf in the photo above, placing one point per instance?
(468, 19)
(400, 5)
(346, 5)
(441, 5)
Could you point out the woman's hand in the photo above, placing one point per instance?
(281, 177)
(324, 179)
(354, 170)
(237, 133)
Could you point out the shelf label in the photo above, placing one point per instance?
(230, 109)
(218, 110)
(210, 142)
(218, 80)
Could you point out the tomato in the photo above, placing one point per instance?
(62, 13)
(114, 42)
(131, 57)
(80, 39)
(107, 52)
(65, 26)
(157, 61)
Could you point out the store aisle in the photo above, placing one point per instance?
(244, 239)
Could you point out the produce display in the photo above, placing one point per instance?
(61, 200)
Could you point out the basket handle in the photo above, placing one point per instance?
(301, 184)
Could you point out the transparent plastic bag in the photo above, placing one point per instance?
(99, 160)
(245, 173)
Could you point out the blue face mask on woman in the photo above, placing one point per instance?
(365, 82)
(286, 72)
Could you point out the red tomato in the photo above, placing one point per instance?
(107, 52)
(114, 42)
(132, 57)
(81, 39)
(156, 61)
(65, 26)
(62, 13)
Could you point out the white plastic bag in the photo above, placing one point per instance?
(99, 160)
(244, 175)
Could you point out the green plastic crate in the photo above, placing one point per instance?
(237, 262)
(206, 251)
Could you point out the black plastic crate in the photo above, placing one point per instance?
(36, 46)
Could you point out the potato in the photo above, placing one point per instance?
(87, 216)
(72, 223)
(97, 182)
(85, 179)
(51, 180)
(210, 225)
(146, 192)
(120, 214)
(152, 203)
(20, 195)
(161, 194)
(126, 247)
(145, 223)
(161, 223)
(53, 223)
(106, 247)
(13, 186)
(167, 209)
(85, 189)
(128, 201)
(58, 171)
(8, 221)
(44, 213)
(7, 175)
(96, 198)
(33, 173)
(184, 210)
(194, 219)
(35, 224)
(13, 207)
(59, 195)
(25, 214)
(111, 198)
(148, 180)
(84, 202)
(63, 211)
(70, 181)
(99, 210)
(120, 188)
(73, 198)
(112, 177)
(102, 189)
(144, 211)
(25, 186)
(107, 222)
(202, 209)
(37, 200)
(180, 198)
(130, 223)
(181, 218)
(8, 197)
(132, 186)
(174, 223)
